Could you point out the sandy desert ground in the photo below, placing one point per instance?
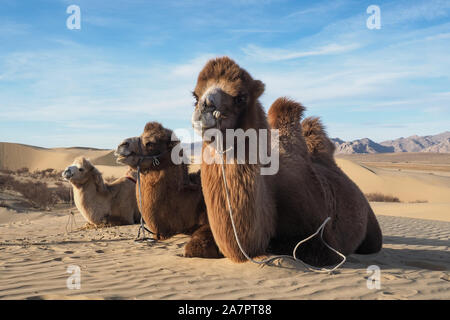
(37, 247)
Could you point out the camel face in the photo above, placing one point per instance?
(78, 172)
(129, 151)
(215, 99)
(154, 142)
(224, 87)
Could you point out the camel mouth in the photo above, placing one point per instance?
(122, 158)
(202, 121)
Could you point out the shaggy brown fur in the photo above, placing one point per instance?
(172, 200)
(251, 194)
(319, 145)
(99, 202)
(291, 205)
(322, 190)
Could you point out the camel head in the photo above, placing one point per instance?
(154, 143)
(225, 87)
(79, 172)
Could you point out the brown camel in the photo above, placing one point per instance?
(172, 199)
(99, 202)
(273, 213)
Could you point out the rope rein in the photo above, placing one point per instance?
(217, 115)
(142, 226)
(71, 220)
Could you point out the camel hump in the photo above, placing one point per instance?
(316, 137)
(285, 112)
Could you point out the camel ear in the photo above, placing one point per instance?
(172, 139)
(85, 163)
(99, 182)
(258, 88)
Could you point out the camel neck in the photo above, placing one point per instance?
(82, 186)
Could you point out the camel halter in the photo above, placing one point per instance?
(217, 115)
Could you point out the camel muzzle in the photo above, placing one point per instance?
(67, 174)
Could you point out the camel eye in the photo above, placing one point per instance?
(81, 169)
(150, 144)
(240, 98)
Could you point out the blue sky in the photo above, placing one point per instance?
(136, 61)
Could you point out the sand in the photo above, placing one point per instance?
(37, 247)
(36, 252)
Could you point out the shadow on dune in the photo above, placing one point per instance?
(415, 241)
(405, 257)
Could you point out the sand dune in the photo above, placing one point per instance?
(408, 186)
(383, 176)
(36, 247)
(14, 156)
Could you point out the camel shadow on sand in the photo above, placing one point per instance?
(403, 253)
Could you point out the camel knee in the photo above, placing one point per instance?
(202, 245)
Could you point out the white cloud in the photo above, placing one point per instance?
(276, 54)
(192, 67)
(407, 11)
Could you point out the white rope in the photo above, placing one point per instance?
(142, 226)
(265, 261)
(71, 220)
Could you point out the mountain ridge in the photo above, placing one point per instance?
(439, 143)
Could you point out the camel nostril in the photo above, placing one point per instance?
(67, 174)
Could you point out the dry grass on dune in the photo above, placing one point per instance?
(37, 193)
(110, 179)
(379, 197)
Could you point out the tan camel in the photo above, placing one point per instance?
(172, 200)
(273, 213)
(99, 202)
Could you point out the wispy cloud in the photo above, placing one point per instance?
(319, 9)
(10, 29)
(409, 12)
(275, 54)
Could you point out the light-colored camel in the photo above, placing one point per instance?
(273, 213)
(172, 199)
(99, 202)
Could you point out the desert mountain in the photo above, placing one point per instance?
(432, 143)
(419, 144)
(360, 146)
